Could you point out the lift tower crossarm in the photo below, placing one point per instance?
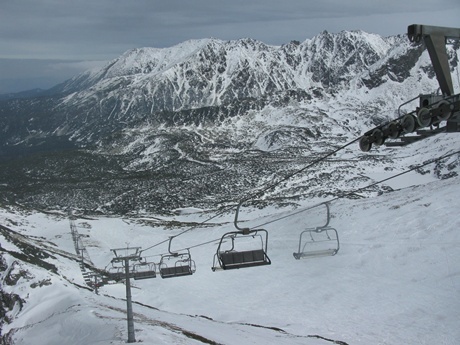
(435, 38)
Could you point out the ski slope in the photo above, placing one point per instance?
(395, 279)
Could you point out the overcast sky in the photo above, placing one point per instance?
(44, 42)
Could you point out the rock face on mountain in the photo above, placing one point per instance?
(203, 122)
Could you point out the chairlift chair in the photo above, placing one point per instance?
(116, 273)
(144, 270)
(176, 264)
(254, 254)
(320, 241)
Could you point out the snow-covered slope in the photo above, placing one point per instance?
(393, 281)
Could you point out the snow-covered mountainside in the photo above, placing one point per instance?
(394, 280)
(202, 81)
(202, 122)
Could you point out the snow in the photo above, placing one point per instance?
(415, 179)
(394, 280)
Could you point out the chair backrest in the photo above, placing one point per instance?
(248, 258)
(176, 271)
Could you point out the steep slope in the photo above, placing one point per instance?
(393, 281)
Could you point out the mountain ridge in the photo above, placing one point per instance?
(136, 85)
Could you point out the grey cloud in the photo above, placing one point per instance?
(23, 74)
(103, 29)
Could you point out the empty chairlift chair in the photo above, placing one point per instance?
(144, 270)
(319, 241)
(242, 248)
(116, 273)
(176, 264)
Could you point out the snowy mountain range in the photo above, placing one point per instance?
(207, 80)
(199, 123)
